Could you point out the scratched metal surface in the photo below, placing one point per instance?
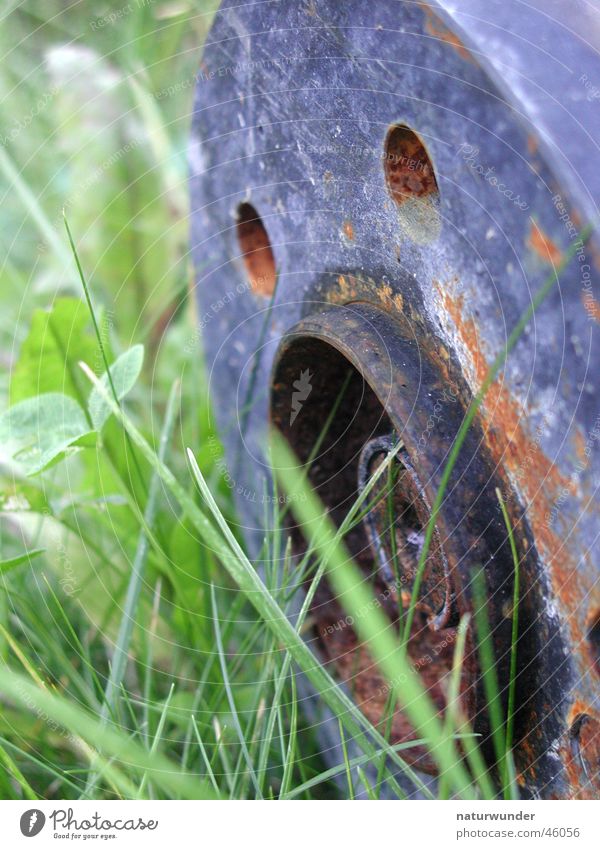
(293, 103)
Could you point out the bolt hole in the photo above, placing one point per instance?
(408, 168)
(411, 182)
(256, 250)
(594, 641)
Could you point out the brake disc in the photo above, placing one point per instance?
(378, 193)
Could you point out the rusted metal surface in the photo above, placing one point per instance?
(412, 278)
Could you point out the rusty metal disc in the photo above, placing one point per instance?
(378, 192)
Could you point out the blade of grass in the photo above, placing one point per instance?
(22, 657)
(345, 526)
(346, 763)
(388, 714)
(291, 750)
(221, 753)
(339, 769)
(157, 738)
(487, 663)
(366, 784)
(207, 766)
(452, 715)
(76, 645)
(512, 684)
(13, 562)
(515, 627)
(313, 587)
(57, 773)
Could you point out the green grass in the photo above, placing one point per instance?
(141, 654)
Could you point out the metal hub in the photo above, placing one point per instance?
(385, 389)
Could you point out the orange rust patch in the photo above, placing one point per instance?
(352, 288)
(543, 245)
(348, 230)
(580, 443)
(539, 480)
(435, 27)
(532, 145)
(384, 293)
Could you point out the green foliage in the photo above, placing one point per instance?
(58, 338)
(88, 128)
(40, 431)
